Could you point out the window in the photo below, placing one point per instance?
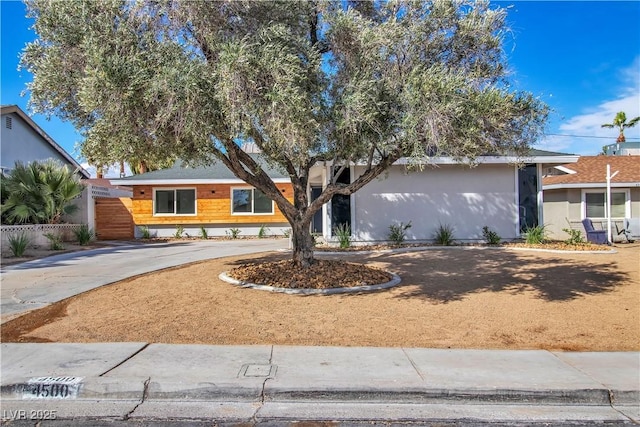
(174, 202)
(250, 201)
(595, 204)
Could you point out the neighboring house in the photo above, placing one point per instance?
(628, 148)
(573, 192)
(496, 193)
(23, 140)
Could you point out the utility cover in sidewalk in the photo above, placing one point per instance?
(263, 371)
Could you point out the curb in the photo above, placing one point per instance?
(259, 390)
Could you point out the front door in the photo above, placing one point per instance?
(341, 205)
(528, 196)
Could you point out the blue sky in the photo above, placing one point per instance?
(582, 58)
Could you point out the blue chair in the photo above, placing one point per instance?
(599, 237)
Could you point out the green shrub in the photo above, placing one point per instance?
(343, 232)
(55, 241)
(262, 233)
(203, 233)
(233, 233)
(575, 236)
(84, 234)
(146, 234)
(398, 232)
(179, 232)
(286, 232)
(535, 235)
(443, 235)
(18, 243)
(490, 236)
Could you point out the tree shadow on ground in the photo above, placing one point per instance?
(447, 275)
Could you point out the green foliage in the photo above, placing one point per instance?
(263, 231)
(535, 235)
(55, 241)
(303, 81)
(398, 232)
(443, 235)
(575, 236)
(234, 233)
(490, 236)
(203, 232)
(286, 233)
(179, 232)
(39, 193)
(144, 230)
(620, 122)
(18, 243)
(343, 232)
(84, 234)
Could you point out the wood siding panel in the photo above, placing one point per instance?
(114, 219)
(213, 206)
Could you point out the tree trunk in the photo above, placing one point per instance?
(302, 242)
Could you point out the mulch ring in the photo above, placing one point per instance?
(322, 274)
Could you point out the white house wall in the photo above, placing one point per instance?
(465, 198)
(22, 143)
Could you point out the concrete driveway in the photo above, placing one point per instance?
(38, 283)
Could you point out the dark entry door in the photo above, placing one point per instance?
(341, 205)
(528, 197)
(316, 222)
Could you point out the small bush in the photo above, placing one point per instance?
(343, 231)
(535, 235)
(18, 243)
(146, 234)
(398, 232)
(286, 232)
(575, 236)
(263, 231)
(55, 241)
(443, 235)
(233, 233)
(84, 234)
(490, 236)
(179, 232)
(203, 233)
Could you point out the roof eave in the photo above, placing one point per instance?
(578, 185)
(132, 182)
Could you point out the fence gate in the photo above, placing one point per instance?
(114, 218)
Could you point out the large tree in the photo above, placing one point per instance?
(311, 81)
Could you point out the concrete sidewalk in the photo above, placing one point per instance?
(38, 283)
(280, 385)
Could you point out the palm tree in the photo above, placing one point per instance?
(620, 122)
(39, 193)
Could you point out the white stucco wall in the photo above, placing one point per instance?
(465, 198)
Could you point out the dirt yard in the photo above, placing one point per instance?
(448, 298)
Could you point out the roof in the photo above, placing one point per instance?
(219, 173)
(8, 109)
(214, 173)
(591, 171)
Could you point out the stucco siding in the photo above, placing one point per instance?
(465, 198)
(556, 210)
(22, 143)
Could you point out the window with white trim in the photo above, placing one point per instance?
(174, 201)
(594, 204)
(250, 201)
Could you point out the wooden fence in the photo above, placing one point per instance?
(114, 220)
